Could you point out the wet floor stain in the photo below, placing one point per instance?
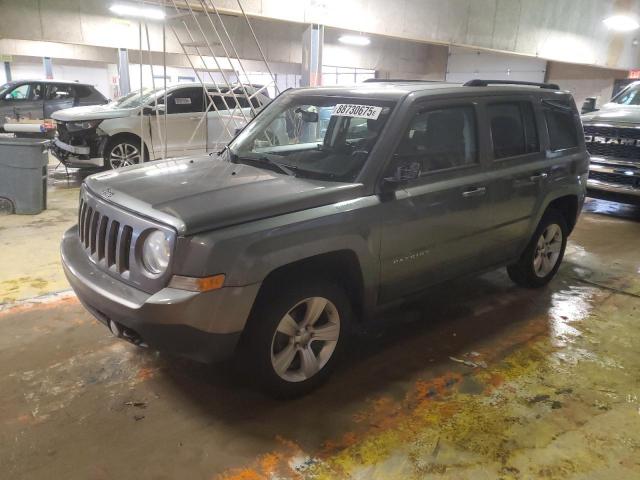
(511, 420)
(478, 380)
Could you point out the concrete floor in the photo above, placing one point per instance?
(553, 390)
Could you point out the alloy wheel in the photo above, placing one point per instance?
(123, 155)
(305, 339)
(547, 250)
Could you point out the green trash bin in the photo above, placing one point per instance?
(23, 175)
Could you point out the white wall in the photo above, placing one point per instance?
(466, 64)
(175, 76)
(98, 76)
(389, 57)
(583, 81)
(559, 30)
(23, 70)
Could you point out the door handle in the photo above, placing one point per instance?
(476, 192)
(538, 176)
(195, 118)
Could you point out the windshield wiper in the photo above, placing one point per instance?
(263, 161)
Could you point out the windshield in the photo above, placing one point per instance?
(628, 96)
(5, 88)
(134, 99)
(321, 137)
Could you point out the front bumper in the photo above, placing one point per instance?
(203, 326)
(614, 179)
(75, 156)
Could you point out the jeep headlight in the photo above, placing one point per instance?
(156, 252)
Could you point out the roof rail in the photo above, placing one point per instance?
(483, 83)
(398, 80)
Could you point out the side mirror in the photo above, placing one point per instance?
(404, 173)
(589, 105)
(308, 117)
(8, 97)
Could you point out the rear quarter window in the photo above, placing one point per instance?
(561, 124)
(83, 91)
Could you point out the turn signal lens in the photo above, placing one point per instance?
(197, 284)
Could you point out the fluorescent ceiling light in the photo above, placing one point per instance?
(622, 23)
(128, 10)
(354, 40)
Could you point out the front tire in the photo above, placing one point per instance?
(543, 255)
(123, 151)
(295, 336)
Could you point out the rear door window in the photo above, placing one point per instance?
(231, 100)
(441, 139)
(59, 92)
(561, 124)
(186, 100)
(513, 129)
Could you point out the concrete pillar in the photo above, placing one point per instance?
(7, 71)
(123, 71)
(312, 45)
(48, 67)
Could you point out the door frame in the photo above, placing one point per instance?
(433, 182)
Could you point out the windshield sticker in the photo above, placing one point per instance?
(182, 101)
(369, 112)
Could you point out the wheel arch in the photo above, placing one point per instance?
(568, 206)
(341, 266)
(123, 135)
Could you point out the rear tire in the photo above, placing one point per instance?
(295, 336)
(542, 257)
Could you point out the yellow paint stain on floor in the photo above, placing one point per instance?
(536, 412)
(30, 245)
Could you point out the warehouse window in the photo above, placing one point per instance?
(561, 125)
(345, 75)
(441, 139)
(513, 129)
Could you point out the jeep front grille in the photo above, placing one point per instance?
(109, 235)
(614, 142)
(104, 238)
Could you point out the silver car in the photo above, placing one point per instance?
(139, 127)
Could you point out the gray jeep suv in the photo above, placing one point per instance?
(330, 204)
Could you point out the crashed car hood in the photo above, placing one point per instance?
(614, 113)
(196, 194)
(92, 112)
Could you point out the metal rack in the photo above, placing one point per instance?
(199, 29)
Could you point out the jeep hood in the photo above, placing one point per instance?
(196, 194)
(92, 112)
(614, 113)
